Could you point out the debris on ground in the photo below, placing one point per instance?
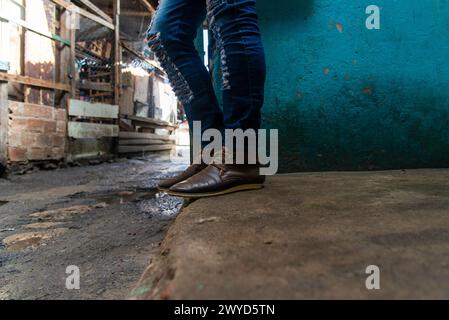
(211, 219)
(31, 239)
(64, 213)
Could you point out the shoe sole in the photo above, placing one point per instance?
(244, 187)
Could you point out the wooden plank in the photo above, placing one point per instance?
(142, 135)
(96, 19)
(136, 149)
(151, 122)
(96, 86)
(117, 52)
(97, 10)
(63, 59)
(73, 67)
(133, 13)
(125, 125)
(142, 142)
(4, 110)
(3, 122)
(85, 130)
(147, 125)
(34, 82)
(141, 56)
(85, 13)
(36, 51)
(80, 108)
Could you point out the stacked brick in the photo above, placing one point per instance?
(36, 132)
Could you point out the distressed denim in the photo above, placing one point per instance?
(238, 41)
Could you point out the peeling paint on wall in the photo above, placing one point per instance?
(339, 27)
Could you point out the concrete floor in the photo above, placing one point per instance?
(106, 219)
(310, 236)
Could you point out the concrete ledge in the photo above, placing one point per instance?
(310, 236)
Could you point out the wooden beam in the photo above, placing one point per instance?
(151, 122)
(142, 142)
(64, 59)
(136, 149)
(3, 122)
(141, 56)
(73, 66)
(85, 13)
(96, 10)
(143, 135)
(34, 82)
(4, 104)
(117, 53)
(147, 5)
(78, 108)
(133, 13)
(96, 86)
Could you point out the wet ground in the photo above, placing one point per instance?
(107, 220)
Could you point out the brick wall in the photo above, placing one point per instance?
(36, 132)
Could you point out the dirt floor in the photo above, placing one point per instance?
(106, 219)
(311, 236)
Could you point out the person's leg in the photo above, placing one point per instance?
(234, 25)
(171, 37)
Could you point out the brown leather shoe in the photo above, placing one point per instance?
(219, 179)
(193, 169)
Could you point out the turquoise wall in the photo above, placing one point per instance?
(347, 98)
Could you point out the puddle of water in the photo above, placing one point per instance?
(150, 201)
(162, 206)
(120, 197)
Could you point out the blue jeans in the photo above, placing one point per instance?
(234, 26)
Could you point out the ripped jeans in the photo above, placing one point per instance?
(234, 26)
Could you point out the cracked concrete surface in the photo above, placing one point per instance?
(106, 219)
(310, 236)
